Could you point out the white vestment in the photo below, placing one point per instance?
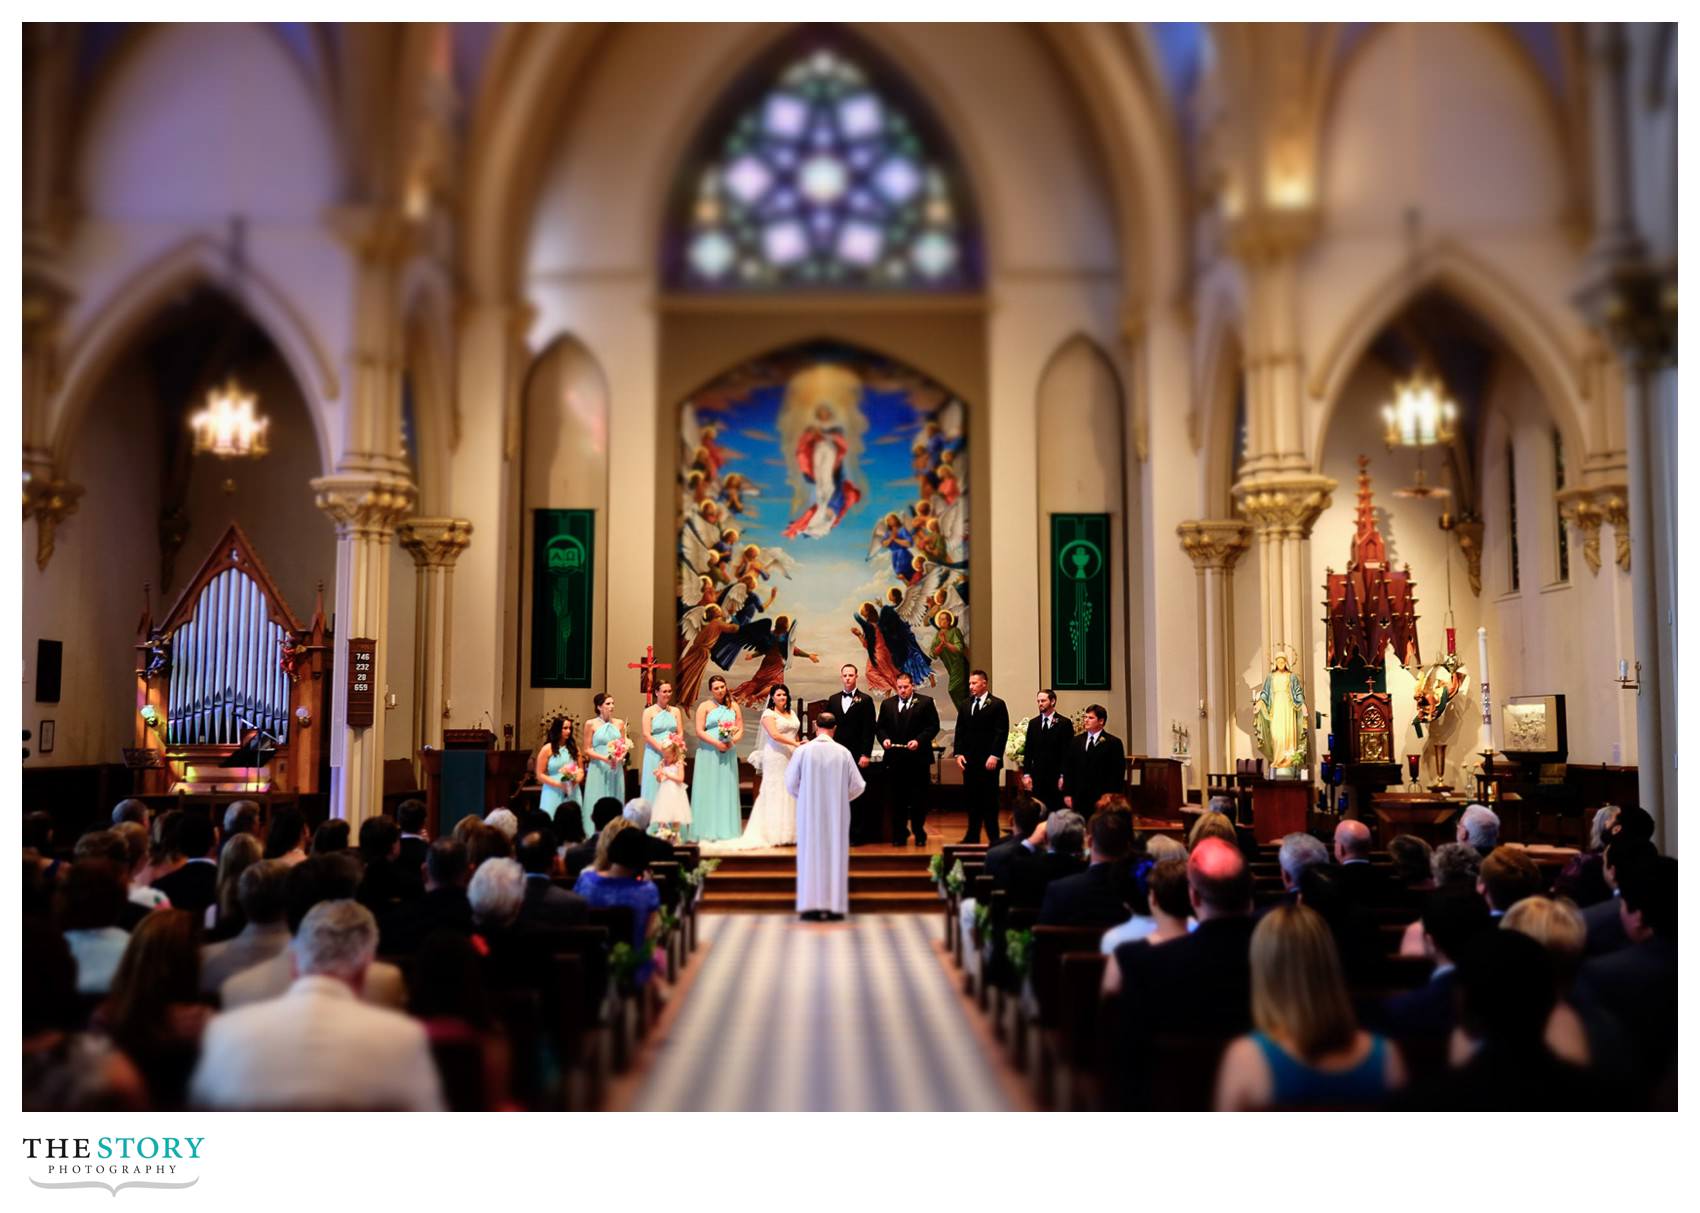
(824, 778)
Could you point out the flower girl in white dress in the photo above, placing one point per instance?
(672, 807)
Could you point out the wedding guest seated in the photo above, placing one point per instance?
(135, 836)
(109, 846)
(223, 918)
(486, 842)
(1454, 863)
(1579, 1032)
(65, 1069)
(1053, 852)
(1506, 997)
(331, 838)
(380, 848)
(410, 816)
(91, 899)
(443, 907)
(450, 1001)
(1168, 899)
(1362, 882)
(1478, 827)
(193, 883)
(505, 821)
(583, 855)
(154, 1012)
(1324, 889)
(1637, 984)
(1026, 814)
(242, 817)
(1603, 919)
(1307, 1050)
(1453, 915)
(165, 855)
(1508, 875)
(638, 811)
(617, 880)
(318, 1046)
(512, 958)
(1583, 878)
(1212, 824)
(261, 891)
(545, 903)
(310, 882)
(287, 838)
(1199, 985)
(1105, 893)
(38, 844)
(131, 809)
(1298, 854)
(1413, 863)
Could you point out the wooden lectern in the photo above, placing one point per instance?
(468, 775)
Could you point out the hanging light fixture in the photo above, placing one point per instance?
(230, 425)
(1422, 413)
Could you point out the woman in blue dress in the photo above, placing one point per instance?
(604, 772)
(660, 725)
(715, 811)
(558, 770)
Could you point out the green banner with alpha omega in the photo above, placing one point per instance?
(563, 571)
(1080, 602)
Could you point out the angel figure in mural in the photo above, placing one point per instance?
(882, 671)
(733, 490)
(693, 661)
(820, 429)
(952, 652)
(892, 536)
(741, 603)
(906, 652)
(1279, 706)
(773, 642)
(757, 560)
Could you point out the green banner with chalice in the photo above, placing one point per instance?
(563, 573)
(1080, 602)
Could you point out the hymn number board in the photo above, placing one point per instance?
(362, 662)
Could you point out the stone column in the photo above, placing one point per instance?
(434, 544)
(1282, 508)
(1215, 547)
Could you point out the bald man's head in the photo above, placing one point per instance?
(1351, 841)
(1220, 880)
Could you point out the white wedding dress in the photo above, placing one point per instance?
(773, 817)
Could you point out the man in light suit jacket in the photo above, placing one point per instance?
(907, 725)
(1048, 736)
(318, 1047)
(1096, 764)
(982, 731)
(854, 712)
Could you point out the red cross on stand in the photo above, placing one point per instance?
(646, 680)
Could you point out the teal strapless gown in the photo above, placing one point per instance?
(665, 725)
(715, 813)
(600, 779)
(553, 798)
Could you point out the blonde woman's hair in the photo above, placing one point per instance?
(1298, 991)
(674, 747)
(608, 834)
(1212, 825)
(1553, 922)
(241, 852)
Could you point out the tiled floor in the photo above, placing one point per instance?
(793, 1016)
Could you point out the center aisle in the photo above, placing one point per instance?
(793, 1016)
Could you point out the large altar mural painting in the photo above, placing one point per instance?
(823, 519)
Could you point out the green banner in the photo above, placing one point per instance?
(563, 583)
(1080, 602)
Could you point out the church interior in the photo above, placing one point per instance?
(434, 433)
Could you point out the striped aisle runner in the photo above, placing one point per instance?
(793, 1016)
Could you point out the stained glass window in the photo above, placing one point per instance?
(826, 180)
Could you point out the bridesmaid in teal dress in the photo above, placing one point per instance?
(715, 812)
(602, 777)
(660, 725)
(558, 768)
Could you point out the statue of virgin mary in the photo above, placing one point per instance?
(1282, 738)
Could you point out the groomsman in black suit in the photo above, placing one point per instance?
(1096, 764)
(907, 725)
(982, 731)
(855, 713)
(1048, 735)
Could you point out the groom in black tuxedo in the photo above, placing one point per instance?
(907, 725)
(1096, 764)
(855, 713)
(982, 731)
(1048, 737)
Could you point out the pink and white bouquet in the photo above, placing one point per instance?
(724, 732)
(617, 751)
(572, 773)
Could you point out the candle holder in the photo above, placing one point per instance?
(1628, 681)
(1414, 761)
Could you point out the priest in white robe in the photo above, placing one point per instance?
(824, 779)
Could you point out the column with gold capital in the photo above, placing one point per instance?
(1282, 507)
(434, 544)
(1215, 547)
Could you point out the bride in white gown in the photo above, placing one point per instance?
(773, 817)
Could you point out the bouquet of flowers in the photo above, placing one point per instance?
(618, 749)
(572, 773)
(1015, 749)
(724, 732)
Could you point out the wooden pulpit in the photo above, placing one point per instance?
(469, 775)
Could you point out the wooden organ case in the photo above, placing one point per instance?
(232, 691)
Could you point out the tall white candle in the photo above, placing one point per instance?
(1482, 673)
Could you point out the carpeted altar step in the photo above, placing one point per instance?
(767, 883)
